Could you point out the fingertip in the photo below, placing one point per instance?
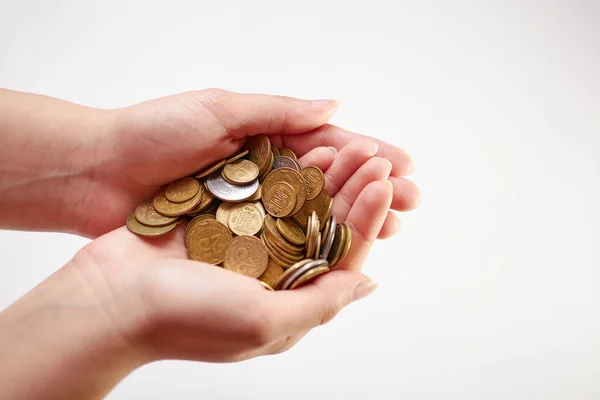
(407, 195)
(391, 226)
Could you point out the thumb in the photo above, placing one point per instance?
(318, 303)
(251, 114)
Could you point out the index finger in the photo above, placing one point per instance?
(333, 136)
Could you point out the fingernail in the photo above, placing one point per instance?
(333, 150)
(374, 149)
(328, 107)
(364, 288)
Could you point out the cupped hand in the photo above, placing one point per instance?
(150, 144)
(169, 307)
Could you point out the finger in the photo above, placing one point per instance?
(374, 169)
(250, 114)
(391, 226)
(329, 135)
(406, 194)
(366, 220)
(300, 310)
(348, 160)
(321, 157)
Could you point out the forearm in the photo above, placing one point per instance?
(47, 152)
(61, 342)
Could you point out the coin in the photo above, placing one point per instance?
(291, 177)
(246, 255)
(257, 195)
(329, 236)
(259, 150)
(290, 271)
(315, 181)
(286, 162)
(291, 231)
(279, 199)
(205, 204)
(137, 227)
(170, 209)
(224, 190)
(245, 219)
(236, 157)
(288, 278)
(288, 153)
(182, 190)
(274, 254)
(275, 150)
(223, 212)
(267, 168)
(276, 238)
(325, 228)
(322, 204)
(272, 273)
(260, 207)
(147, 215)
(240, 172)
(347, 241)
(337, 249)
(211, 169)
(207, 241)
(309, 276)
(266, 286)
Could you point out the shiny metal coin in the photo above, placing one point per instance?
(224, 190)
(285, 284)
(286, 162)
(328, 239)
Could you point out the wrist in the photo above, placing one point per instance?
(70, 337)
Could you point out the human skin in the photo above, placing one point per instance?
(124, 301)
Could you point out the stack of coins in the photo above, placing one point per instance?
(258, 213)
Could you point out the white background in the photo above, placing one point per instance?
(490, 289)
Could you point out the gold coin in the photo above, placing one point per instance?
(310, 236)
(289, 272)
(224, 211)
(291, 231)
(278, 239)
(257, 195)
(318, 249)
(266, 286)
(268, 168)
(275, 150)
(236, 157)
(170, 209)
(260, 207)
(182, 190)
(291, 177)
(245, 219)
(259, 150)
(325, 229)
(205, 204)
(347, 241)
(211, 169)
(275, 254)
(315, 181)
(279, 199)
(147, 215)
(309, 276)
(240, 172)
(246, 255)
(288, 153)
(138, 228)
(272, 273)
(322, 204)
(207, 240)
(337, 247)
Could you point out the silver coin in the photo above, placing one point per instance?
(301, 271)
(328, 239)
(286, 162)
(224, 190)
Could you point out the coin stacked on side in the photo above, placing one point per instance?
(258, 213)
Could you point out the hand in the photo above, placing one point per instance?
(153, 143)
(124, 301)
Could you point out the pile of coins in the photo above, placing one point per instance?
(258, 213)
